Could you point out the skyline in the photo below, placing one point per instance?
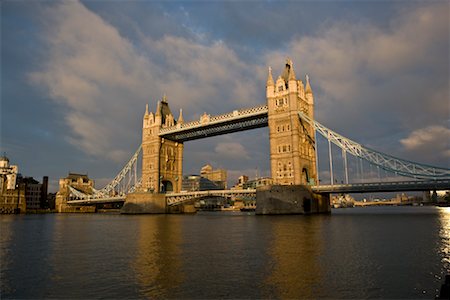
(76, 77)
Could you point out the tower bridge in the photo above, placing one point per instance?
(289, 116)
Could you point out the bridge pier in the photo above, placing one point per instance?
(144, 203)
(290, 199)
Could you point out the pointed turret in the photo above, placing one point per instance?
(270, 81)
(270, 84)
(158, 116)
(180, 118)
(146, 123)
(291, 73)
(308, 92)
(292, 82)
(308, 89)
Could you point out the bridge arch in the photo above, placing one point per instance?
(166, 186)
(305, 176)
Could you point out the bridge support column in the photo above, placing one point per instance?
(290, 199)
(144, 203)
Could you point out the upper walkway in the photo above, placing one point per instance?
(207, 126)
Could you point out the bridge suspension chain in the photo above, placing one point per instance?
(385, 161)
(127, 187)
(121, 175)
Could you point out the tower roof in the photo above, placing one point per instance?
(308, 89)
(288, 72)
(4, 158)
(163, 109)
(270, 78)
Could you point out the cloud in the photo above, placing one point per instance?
(104, 80)
(231, 150)
(372, 82)
(97, 76)
(436, 138)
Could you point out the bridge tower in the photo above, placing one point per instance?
(162, 159)
(292, 142)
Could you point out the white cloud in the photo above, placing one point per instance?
(347, 61)
(432, 138)
(104, 81)
(373, 82)
(364, 77)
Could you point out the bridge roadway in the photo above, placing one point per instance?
(374, 187)
(378, 187)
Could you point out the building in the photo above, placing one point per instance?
(35, 192)
(257, 182)
(162, 159)
(244, 183)
(218, 176)
(192, 183)
(12, 193)
(240, 184)
(80, 182)
(292, 143)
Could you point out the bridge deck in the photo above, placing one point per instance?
(375, 187)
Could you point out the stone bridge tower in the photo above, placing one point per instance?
(162, 159)
(292, 144)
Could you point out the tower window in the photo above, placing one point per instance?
(280, 88)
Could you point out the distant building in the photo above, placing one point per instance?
(35, 192)
(192, 183)
(240, 184)
(12, 193)
(218, 176)
(80, 182)
(261, 181)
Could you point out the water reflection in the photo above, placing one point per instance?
(444, 233)
(295, 250)
(157, 262)
(5, 253)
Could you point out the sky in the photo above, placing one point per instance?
(76, 76)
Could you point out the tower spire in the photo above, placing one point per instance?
(146, 109)
(158, 109)
(291, 70)
(180, 118)
(270, 78)
(308, 89)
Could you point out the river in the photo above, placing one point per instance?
(372, 252)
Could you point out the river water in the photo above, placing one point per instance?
(377, 252)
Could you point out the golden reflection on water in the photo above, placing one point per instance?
(157, 263)
(444, 233)
(295, 250)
